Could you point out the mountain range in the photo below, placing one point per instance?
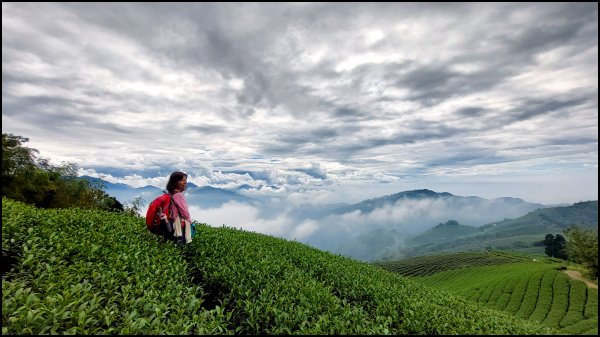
(201, 196)
(508, 207)
(521, 234)
(405, 224)
(391, 222)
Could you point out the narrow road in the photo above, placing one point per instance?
(577, 276)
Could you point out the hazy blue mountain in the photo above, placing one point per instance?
(212, 197)
(451, 230)
(125, 193)
(370, 204)
(506, 206)
(517, 234)
(558, 218)
(203, 197)
(409, 214)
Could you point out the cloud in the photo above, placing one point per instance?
(304, 230)
(233, 214)
(307, 217)
(327, 94)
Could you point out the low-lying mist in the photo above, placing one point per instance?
(392, 223)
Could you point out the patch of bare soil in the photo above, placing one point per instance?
(577, 276)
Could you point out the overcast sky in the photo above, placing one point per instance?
(326, 101)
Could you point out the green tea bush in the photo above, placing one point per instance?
(93, 272)
(277, 286)
(77, 271)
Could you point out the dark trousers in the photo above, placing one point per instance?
(165, 229)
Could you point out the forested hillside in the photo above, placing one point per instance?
(520, 234)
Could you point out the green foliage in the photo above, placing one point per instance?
(18, 164)
(15, 157)
(532, 288)
(505, 234)
(77, 271)
(34, 181)
(429, 265)
(136, 207)
(583, 247)
(450, 223)
(89, 272)
(555, 246)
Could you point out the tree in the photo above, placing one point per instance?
(35, 181)
(582, 247)
(549, 244)
(136, 206)
(560, 247)
(18, 164)
(555, 246)
(15, 157)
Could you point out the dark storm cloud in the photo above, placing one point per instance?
(535, 107)
(431, 85)
(349, 113)
(58, 114)
(471, 111)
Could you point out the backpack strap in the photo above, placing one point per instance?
(176, 206)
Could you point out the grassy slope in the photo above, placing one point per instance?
(75, 271)
(529, 289)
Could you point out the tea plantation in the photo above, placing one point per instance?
(74, 271)
(534, 289)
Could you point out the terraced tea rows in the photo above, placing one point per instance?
(533, 290)
(429, 265)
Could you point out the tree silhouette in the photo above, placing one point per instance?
(555, 246)
(33, 180)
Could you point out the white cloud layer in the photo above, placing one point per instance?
(312, 98)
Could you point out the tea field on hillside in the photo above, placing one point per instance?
(74, 271)
(526, 287)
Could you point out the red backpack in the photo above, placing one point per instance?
(158, 205)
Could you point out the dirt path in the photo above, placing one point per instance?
(577, 276)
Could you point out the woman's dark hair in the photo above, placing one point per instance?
(174, 179)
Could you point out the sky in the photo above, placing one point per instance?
(317, 102)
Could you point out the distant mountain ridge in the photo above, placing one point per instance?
(420, 220)
(518, 234)
(444, 231)
(201, 196)
(212, 197)
(584, 213)
(125, 193)
(369, 205)
(414, 212)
